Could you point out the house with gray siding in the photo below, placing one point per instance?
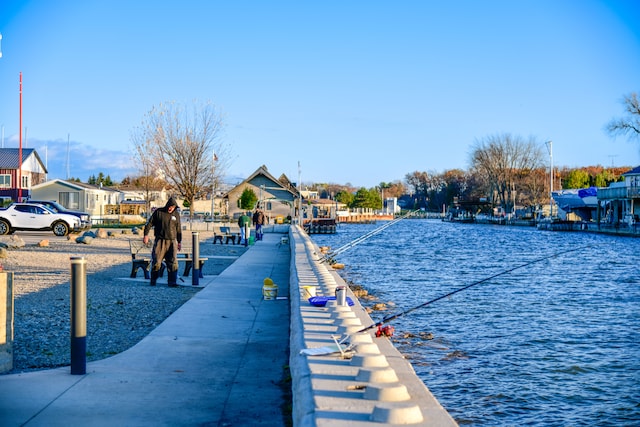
(78, 196)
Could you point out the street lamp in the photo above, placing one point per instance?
(549, 145)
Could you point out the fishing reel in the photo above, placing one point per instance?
(385, 331)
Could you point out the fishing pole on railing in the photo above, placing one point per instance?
(486, 279)
(329, 257)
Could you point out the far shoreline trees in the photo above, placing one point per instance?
(506, 170)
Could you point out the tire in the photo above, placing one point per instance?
(60, 228)
(5, 228)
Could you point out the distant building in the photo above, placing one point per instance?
(276, 197)
(33, 171)
(619, 204)
(89, 198)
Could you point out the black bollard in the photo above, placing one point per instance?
(195, 275)
(78, 316)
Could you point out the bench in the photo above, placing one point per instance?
(141, 258)
(188, 264)
(227, 234)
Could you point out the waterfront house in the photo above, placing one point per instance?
(619, 204)
(32, 169)
(276, 196)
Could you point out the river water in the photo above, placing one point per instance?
(554, 343)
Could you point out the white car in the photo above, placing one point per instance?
(35, 217)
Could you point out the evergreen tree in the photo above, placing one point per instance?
(248, 199)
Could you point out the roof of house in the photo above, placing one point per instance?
(634, 171)
(9, 157)
(282, 182)
(76, 185)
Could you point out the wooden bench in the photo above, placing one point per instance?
(227, 234)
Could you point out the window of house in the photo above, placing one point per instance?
(69, 199)
(5, 181)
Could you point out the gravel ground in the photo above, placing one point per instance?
(120, 311)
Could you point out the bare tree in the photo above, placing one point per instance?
(419, 183)
(630, 124)
(506, 160)
(181, 142)
(142, 158)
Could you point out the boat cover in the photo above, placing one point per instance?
(588, 192)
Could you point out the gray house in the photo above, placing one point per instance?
(276, 197)
(78, 196)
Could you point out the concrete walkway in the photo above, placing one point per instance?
(219, 360)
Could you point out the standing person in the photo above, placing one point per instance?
(243, 223)
(167, 232)
(258, 222)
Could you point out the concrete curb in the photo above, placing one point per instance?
(370, 385)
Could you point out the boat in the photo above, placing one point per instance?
(582, 202)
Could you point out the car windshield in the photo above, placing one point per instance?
(49, 209)
(55, 206)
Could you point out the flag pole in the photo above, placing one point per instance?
(20, 147)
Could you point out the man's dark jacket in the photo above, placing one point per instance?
(165, 225)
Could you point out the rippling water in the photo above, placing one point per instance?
(555, 343)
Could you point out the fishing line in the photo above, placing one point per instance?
(331, 255)
(424, 304)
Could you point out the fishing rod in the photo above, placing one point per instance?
(424, 304)
(331, 255)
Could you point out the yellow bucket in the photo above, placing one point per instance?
(309, 291)
(270, 292)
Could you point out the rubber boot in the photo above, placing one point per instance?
(172, 277)
(154, 277)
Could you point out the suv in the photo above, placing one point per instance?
(85, 218)
(34, 217)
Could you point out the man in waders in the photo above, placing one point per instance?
(168, 241)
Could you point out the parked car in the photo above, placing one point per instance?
(85, 218)
(35, 217)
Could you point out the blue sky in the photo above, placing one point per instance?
(358, 92)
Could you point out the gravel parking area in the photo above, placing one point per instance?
(120, 311)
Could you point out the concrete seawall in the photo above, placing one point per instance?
(370, 384)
